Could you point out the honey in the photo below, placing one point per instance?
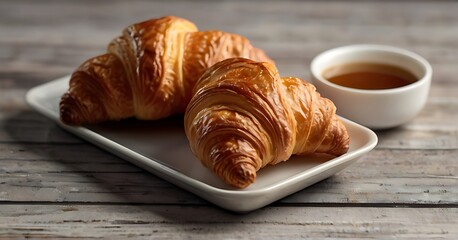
(370, 76)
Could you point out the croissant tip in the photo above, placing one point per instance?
(67, 109)
(339, 151)
(242, 175)
(343, 140)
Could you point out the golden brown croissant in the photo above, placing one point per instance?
(148, 72)
(243, 116)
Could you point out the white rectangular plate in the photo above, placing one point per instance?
(161, 147)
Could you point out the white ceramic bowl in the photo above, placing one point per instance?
(376, 109)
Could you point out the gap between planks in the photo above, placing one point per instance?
(275, 204)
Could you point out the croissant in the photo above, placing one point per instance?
(148, 72)
(244, 116)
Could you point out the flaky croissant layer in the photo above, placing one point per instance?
(244, 116)
(148, 72)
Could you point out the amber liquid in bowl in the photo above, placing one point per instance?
(370, 76)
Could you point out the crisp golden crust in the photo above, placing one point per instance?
(204, 49)
(97, 92)
(159, 61)
(243, 116)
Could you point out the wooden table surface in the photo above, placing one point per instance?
(55, 185)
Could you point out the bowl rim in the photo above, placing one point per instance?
(317, 75)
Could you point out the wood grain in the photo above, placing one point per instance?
(55, 185)
(164, 222)
(384, 176)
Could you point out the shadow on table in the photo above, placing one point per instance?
(61, 168)
(73, 170)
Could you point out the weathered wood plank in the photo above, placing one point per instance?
(289, 34)
(146, 221)
(84, 173)
(391, 176)
(35, 60)
(54, 185)
(27, 126)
